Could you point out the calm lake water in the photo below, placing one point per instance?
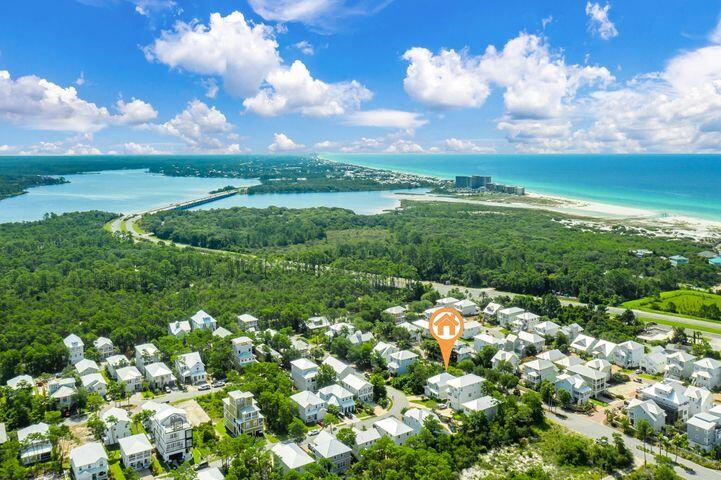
(128, 191)
(685, 184)
(120, 191)
(364, 203)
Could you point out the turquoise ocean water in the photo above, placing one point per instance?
(673, 184)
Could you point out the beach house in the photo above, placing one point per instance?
(89, 462)
(203, 321)
(241, 414)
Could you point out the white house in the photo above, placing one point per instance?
(680, 365)
(210, 473)
(339, 397)
(358, 337)
(503, 357)
(385, 350)
(191, 368)
(538, 370)
(63, 392)
(248, 322)
(463, 389)
(394, 429)
(85, 367)
(179, 328)
(554, 356)
(359, 387)
(314, 324)
(574, 385)
(446, 302)
(104, 346)
(706, 373)
(117, 425)
(146, 354)
(311, 408)
(131, 378)
(486, 405)
(159, 375)
(547, 329)
(471, 328)
(400, 361)
(327, 446)
(289, 456)
(526, 340)
(114, 362)
(703, 430)
(583, 343)
(221, 332)
(437, 386)
(466, 307)
(491, 310)
(398, 313)
(341, 369)
(301, 345)
(364, 439)
(75, 348)
(423, 326)
(603, 366)
(524, 321)
(699, 400)
(655, 361)
(339, 329)
(604, 349)
(628, 354)
(21, 381)
(203, 321)
(304, 373)
(241, 414)
(136, 452)
(171, 432)
(413, 331)
(638, 410)
(486, 339)
(596, 379)
(416, 418)
(243, 351)
(95, 383)
(571, 331)
(35, 443)
(507, 315)
(670, 395)
(89, 462)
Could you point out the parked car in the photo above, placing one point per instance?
(313, 433)
(167, 389)
(204, 387)
(218, 383)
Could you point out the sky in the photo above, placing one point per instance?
(398, 76)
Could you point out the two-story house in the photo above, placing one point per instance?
(628, 354)
(191, 368)
(326, 446)
(311, 408)
(400, 361)
(247, 322)
(117, 425)
(243, 351)
(359, 387)
(706, 373)
(131, 378)
(463, 389)
(35, 443)
(437, 386)
(179, 328)
(89, 462)
(680, 365)
(538, 370)
(159, 375)
(339, 397)
(145, 354)
(203, 321)
(136, 452)
(104, 346)
(304, 373)
(647, 410)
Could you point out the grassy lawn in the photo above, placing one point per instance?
(598, 402)
(270, 437)
(116, 470)
(685, 303)
(430, 403)
(220, 430)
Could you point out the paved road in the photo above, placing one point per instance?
(583, 425)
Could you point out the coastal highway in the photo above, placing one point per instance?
(712, 330)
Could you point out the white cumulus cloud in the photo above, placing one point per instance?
(229, 47)
(324, 14)
(598, 21)
(135, 112)
(465, 146)
(295, 90)
(132, 148)
(283, 143)
(404, 146)
(386, 118)
(200, 127)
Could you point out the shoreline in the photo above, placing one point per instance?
(590, 213)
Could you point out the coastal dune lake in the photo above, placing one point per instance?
(130, 191)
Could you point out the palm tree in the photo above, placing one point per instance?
(643, 431)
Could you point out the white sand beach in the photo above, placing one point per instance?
(596, 215)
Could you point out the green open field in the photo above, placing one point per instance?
(688, 303)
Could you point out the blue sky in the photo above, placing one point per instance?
(163, 76)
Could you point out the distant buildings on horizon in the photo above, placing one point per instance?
(481, 182)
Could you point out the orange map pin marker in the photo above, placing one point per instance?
(446, 326)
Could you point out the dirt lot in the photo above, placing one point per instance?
(196, 414)
(627, 390)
